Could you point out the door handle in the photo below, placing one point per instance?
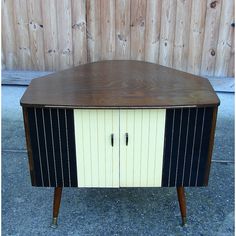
(126, 139)
(112, 140)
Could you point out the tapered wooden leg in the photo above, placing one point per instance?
(182, 204)
(56, 205)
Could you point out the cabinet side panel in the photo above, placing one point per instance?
(53, 148)
(29, 146)
(187, 136)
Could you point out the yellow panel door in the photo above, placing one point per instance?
(141, 147)
(97, 158)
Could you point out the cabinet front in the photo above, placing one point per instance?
(119, 147)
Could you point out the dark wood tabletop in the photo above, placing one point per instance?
(120, 84)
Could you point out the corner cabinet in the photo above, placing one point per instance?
(118, 124)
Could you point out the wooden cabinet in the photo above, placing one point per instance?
(120, 124)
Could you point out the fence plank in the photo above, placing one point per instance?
(196, 36)
(36, 34)
(181, 43)
(152, 31)
(9, 54)
(168, 14)
(94, 30)
(79, 32)
(108, 29)
(231, 72)
(22, 34)
(122, 29)
(51, 53)
(138, 15)
(64, 31)
(225, 38)
(210, 37)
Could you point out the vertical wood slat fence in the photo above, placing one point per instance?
(196, 36)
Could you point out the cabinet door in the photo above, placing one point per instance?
(97, 160)
(141, 156)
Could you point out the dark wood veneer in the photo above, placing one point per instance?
(120, 84)
(211, 144)
(29, 148)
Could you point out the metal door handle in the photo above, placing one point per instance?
(112, 140)
(126, 139)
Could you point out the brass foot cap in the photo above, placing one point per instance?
(54, 223)
(184, 220)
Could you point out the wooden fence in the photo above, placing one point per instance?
(191, 35)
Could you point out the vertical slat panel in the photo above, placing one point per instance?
(97, 159)
(152, 31)
(101, 147)
(168, 13)
(87, 149)
(181, 43)
(93, 17)
(41, 146)
(130, 119)
(138, 15)
(108, 148)
(53, 146)
(8, 35)
(141, 160)
(196, 36)
(210, 37)
(186, 146)
(122, 29)
(183, 147)
(35, 148)
(71, 146)
(36, 34)
(46, 149)
(152, 141)
(225, 36)
(79, 133)
(108, 29)
(144, 148)
(51, 51)
(79, 32)
(159, 146)
(123, 147)
(136, 150)
(95, 155)
(116, 148)
(64, 33)
(22, 34)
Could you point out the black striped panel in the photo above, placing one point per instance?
(187, 136)
(53, 146)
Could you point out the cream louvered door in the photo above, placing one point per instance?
(119, 148)
(97, 160)
(141, 147)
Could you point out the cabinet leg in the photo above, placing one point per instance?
(56, 205)
(182, 204)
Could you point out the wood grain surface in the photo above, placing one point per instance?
(120, 84)
(195, 36)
